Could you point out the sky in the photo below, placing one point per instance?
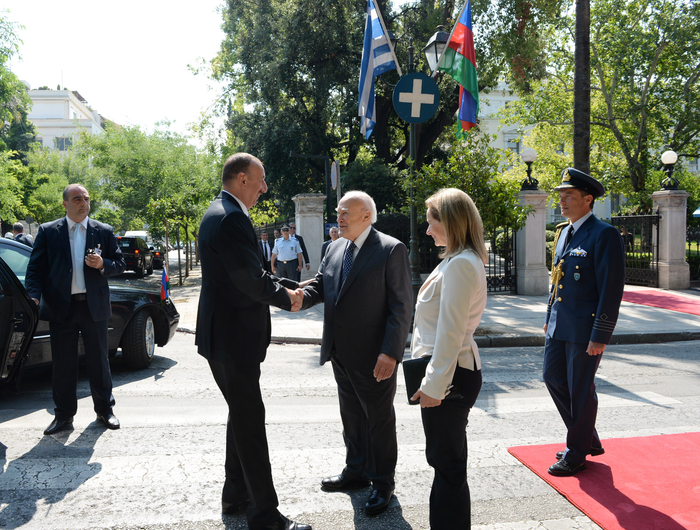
(128, 59)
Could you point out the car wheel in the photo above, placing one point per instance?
(140, 270)
(139, 341)
(149, 270)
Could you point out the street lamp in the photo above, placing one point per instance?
(669, 158)
(436, 45)
(529, 155)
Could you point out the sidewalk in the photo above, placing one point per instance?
(509, 319)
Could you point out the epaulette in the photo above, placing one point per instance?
(562, 225)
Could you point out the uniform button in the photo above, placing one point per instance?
(577, 266)
(562, 261)
(559, 299)
(593, 315)
(561, 286)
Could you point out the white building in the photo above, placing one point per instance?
(58, 115)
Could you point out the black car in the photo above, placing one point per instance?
(137, 254)
(140, 321)
(159, 255)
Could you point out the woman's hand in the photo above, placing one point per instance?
(425, 400)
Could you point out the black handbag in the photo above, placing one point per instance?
(414, 372)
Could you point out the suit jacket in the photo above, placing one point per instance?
(266, 257)
(371, 313)
(324, 247)
(448, 311)
(585, 302)
(303, 248)
(233, 318)
(50, 270)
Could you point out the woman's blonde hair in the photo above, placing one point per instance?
(463, 227)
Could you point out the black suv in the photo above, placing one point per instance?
(138, 256)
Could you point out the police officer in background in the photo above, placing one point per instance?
(286, 256)
(588, 278)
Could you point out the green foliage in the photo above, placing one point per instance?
(372, 176)
(11, 171)
(474, 167)
(645, 58)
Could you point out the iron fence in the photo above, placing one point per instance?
(692, 252)
(640, 236)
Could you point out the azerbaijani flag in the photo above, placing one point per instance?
(164, 285)
(459, 60)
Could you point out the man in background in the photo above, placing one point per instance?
(333, 233)
(19, 235)
(266, 251)
(67, 278)
(293, 234)
(286, 256)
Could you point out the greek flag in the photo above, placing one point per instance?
(377, 57)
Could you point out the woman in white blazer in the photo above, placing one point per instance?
(448, 310)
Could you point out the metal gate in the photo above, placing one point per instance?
(500, 270)
(640, 236)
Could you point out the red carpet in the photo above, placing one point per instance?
(664, 300)
(650, 483)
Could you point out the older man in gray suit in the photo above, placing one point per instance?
(365, 285)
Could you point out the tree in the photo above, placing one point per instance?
(291, 69)
(645, 64)
(10, 189)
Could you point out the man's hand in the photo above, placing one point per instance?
(299, 268)
(274, 270)
(296, 297)
(308, 266)
(595, 348)
(385, 367)
(425, 400)
(94, 260)
(36, 301)
(545, 328)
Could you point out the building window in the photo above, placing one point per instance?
(512, 142)
(694, 165)
(63, 143)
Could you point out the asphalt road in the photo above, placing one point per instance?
(164, 468)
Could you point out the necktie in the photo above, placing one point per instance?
(78, 256)
(569, 235)
(347, 260)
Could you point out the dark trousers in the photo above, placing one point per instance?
(287, 270)
(446, 451)
(267, 265)
(64, 360)
(369, 424)
(248, 470)
(569, 373)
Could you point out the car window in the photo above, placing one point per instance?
(16, 260)
(126, 244)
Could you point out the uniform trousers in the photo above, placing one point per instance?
(446, 451)
(64, 361)
(569, 374)
(248, 469)
(369, 424)
(287, 270)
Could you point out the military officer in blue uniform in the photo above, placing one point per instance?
(286, 258)
(588, 278)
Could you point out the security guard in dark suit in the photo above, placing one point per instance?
(588, 279)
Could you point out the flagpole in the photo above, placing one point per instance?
(432, 74)
(386, 34)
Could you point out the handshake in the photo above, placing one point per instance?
(297, 298)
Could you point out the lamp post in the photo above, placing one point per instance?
(529, 155)
(669, 158)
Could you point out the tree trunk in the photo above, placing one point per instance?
(582, 87)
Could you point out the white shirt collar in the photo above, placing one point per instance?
(72, 223)
(580, 221)
(243, 207)
(361, 238)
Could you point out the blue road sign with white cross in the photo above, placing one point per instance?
(416, 97)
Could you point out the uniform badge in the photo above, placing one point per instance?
(566, 176)
(577, 276)
(578, 252)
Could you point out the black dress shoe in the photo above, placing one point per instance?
(378, 502)
(59, 425)
(286, 524)
(564, 468)
(233, 508)
(110, 421)
(595, 451)
(344, 482)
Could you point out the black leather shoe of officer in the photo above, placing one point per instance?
(344, 482)
(564, 468)
(233, 508)
(59, 425)
(286, 524)
(110, 421)
(378, 501)
(595, 451)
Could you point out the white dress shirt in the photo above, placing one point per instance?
(78, 268)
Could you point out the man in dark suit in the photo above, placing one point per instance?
(333, 233)
(266, 251)
(588, 279)
(365, 285)
(293, 235)
(67, 276)
(233, 333)
(19, 235)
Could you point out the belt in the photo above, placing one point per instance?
(288, 261)
(80, 297)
